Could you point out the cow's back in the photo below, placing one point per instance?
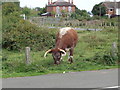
(67, 37)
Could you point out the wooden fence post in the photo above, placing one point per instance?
(27, 55)
(114, 50)
(110, 24)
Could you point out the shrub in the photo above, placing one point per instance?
(104, 58)
(24, 34)
(18, 34)
(10, 7)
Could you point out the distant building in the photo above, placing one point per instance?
(112, 8)
(60, 6)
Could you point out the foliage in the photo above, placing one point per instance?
(64, 13)
(10, 7)
(0, 2)
(26, 11)
(17, 33)
(53, 13)
(91, 53)
(99, 10)
(30, 12)
(80, 14)
(24, 34)
(104, 58)
(38, 9)
(41, 10)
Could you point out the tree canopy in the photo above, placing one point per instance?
(41, 10)
(18, 33)
(26, 11)
(79, 14)
(99, 10)
(9, 8)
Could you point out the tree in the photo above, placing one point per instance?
(53, 13)
(99, 10)
(37, 8)
(79, 14)
(64, 13)
(43, 10)
(26, 11)
(10, 7)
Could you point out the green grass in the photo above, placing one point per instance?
(91, 53)
(0, 36)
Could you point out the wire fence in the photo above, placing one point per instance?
(60, 22)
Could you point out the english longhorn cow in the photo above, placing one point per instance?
(66, 40)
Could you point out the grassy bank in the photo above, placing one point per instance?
(0, 37)
(93, 52)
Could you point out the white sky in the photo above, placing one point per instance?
(81, 4)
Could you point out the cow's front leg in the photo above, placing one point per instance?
(70, 58)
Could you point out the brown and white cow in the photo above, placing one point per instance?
(66, 40)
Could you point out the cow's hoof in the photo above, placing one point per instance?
(70, 60)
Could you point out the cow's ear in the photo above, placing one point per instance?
(63, 54)
(62, 51)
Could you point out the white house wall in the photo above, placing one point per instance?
(118, 11)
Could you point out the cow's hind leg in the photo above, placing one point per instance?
(70, 58)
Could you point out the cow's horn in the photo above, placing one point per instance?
(63, 51)
(47, 52)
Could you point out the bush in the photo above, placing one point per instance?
(10, 7)
(104, 59)
(24, 34)
(96, 17)
(18, 34)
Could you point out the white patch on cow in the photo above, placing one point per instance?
(67, 49)
(70, 57)
(63, 31)
(63, 54)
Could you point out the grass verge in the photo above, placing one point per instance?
(93, 52)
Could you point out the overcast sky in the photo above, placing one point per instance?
(81, 4)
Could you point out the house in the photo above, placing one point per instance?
(112, 8)
(60, 6)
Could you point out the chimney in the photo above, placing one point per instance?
(69, 1)
(51, 1)
(72, 1)
(115, 7)
(48, 2)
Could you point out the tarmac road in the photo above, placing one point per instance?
(84, 79)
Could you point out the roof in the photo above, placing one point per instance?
(112, 4)
(61, 3)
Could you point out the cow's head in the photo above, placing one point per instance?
(56, 53)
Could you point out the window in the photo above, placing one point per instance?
(58, 9)
(64, 8)
(69, 8)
